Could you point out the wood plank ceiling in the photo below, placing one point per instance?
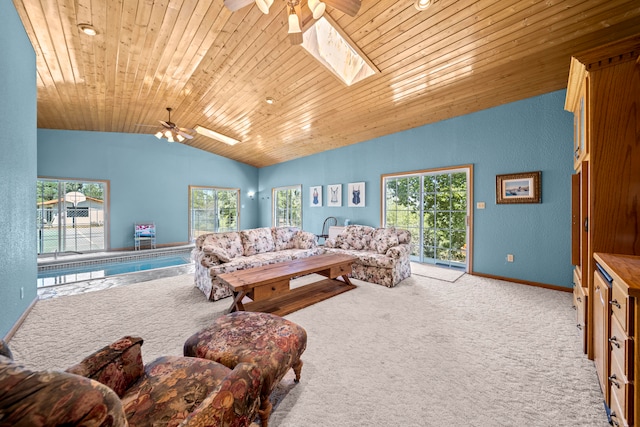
(215, 68)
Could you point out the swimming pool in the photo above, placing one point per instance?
(71, 272)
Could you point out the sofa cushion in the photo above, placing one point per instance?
(283, 237)
(225, 246)
(171, 388)
(51, 398)
(383, 239)
(356, 237)
(367, 258)
(257, 241)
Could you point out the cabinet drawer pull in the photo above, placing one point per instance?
(616, 303)
(579, 299)
(614, 341)
(579, 326)
(612, 380)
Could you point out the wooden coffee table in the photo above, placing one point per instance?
(268, 285)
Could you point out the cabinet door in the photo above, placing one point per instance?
(601, 318)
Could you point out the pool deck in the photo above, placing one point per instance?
(110, 281)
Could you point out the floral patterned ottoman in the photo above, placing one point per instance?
(271, 342)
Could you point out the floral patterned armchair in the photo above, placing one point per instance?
(111, 387)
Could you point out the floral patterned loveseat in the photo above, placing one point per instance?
(111, 387)
(218, 253)
(383, 253)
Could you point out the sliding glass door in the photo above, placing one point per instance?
(434, 206)
(71, 215)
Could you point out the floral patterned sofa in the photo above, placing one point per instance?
(111, 387)
(383, 253)
(218, 253)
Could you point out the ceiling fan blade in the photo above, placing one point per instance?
(165, 124)
(184, 134)
(350, 7)
(234, 5)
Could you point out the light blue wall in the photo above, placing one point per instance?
(149, 178)
(529, 135)
(18, 112)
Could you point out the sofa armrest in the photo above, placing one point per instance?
(117, 365)
(52, 398)
(234, 403)
(305, 240)
(398, 251)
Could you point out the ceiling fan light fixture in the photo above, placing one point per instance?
(269, 100)
(215, 135)
(170, 137)
(422, 4)
(158, 135)
(264, 5)
(317, 8)
(294, 22)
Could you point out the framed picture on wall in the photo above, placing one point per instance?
(518, 188)
(315, 196)
(334, 195)
(356, 195)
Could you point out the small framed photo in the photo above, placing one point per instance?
(518, 188)
(334, 195)
(356, 195)
(315, 196)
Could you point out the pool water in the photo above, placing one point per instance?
(61, 276)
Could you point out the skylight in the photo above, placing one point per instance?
(339, 55)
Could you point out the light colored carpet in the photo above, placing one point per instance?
(477, 352)
(436, 272)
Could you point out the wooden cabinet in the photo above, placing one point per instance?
(603, 92)
(580, 304)
(621, 275)
(601, 316)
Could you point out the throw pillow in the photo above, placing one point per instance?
(383, 239)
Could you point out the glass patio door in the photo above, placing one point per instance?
(71, 216)
(434, 206)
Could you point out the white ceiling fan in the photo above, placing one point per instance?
(317, 7)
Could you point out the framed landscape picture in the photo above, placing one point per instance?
(356, 195)
(518, 188)
(315, 196)
(334, 195)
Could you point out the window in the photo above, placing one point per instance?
(212, 210)
(71, 215)
(287, 206)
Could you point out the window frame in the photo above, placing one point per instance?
(216, 189)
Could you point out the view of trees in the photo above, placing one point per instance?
(213, 210)
(438, 202)
(288, 206)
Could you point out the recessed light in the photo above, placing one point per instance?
(422, 4)
(88, 29)
(270, 100)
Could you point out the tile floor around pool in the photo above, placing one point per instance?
(109, 281)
